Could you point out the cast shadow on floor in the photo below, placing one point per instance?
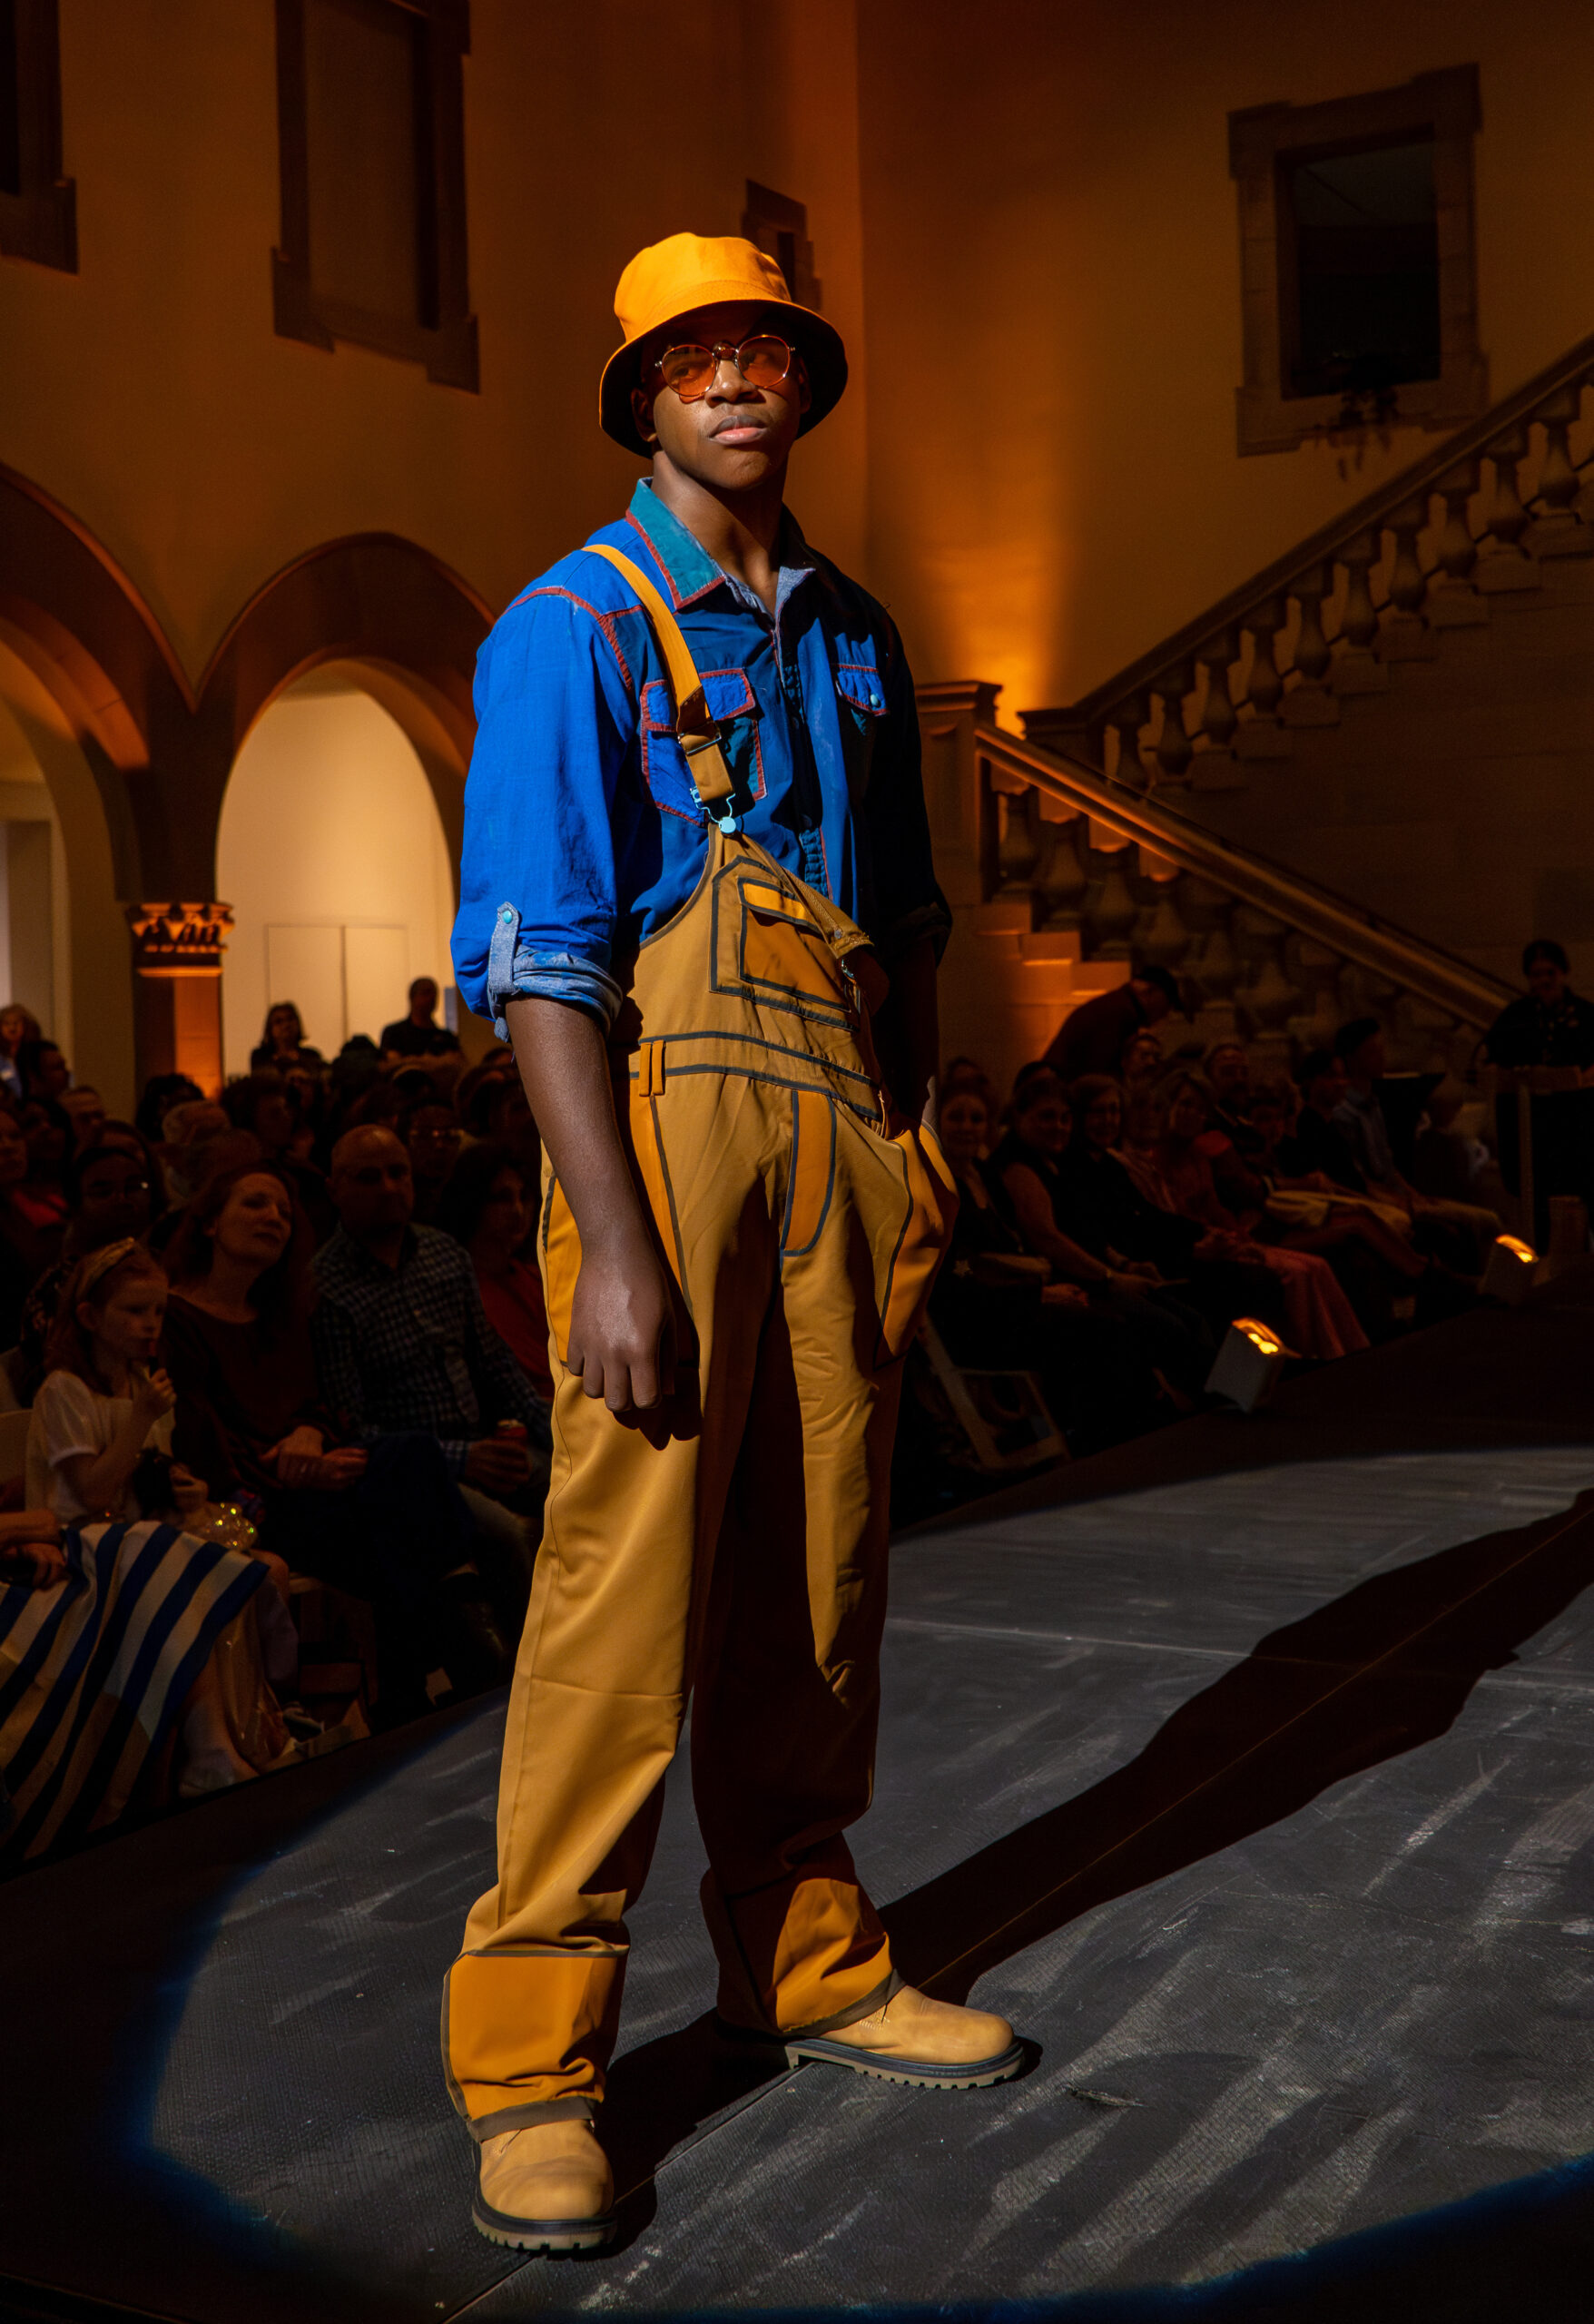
(1376, 1673)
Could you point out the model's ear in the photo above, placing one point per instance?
(642, 412)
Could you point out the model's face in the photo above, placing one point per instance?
(1104, 1119)
(1545, 983)
(736, 435)
(129, 1324)
(254, 1227)
(963, 1128)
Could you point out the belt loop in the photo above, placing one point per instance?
(650, 1069)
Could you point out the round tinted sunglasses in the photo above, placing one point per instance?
(764, 362)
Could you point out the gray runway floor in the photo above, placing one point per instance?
(1262, 1801)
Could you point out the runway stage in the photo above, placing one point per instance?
(1251, 1771)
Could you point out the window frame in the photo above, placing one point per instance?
(39, 221)
(1446, 105)
(448, 350)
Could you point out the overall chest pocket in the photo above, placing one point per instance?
(665, 768)
(770, 949)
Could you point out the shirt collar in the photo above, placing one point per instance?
(357, 1255)
(691, 572)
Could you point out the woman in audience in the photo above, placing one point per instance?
(113, 1194)
(263, 1104)
(995, 1310)
(488, 1207)
(1143, 1063)
(162, 1092)
(1306, 1211)
(283, 1043)
(386, 1525)
(82, 1709)
(18, 1027)
(1026, 1174)
(1318, 1319)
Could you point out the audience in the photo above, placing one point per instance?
(1093, 1037)
(490, 1208)
(44, 1070)
(282, 1044)
(432, 1136)
(1459, 1232)
(162, 1092)
(48, 1131)
(29, 1241)
(263, 1104)
(85, 1109)
(383, 1522)
(18, 1028)
(1550, 1026)
(402, 1344)
(113, 1195)
(418, 1034)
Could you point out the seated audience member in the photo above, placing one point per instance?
(491, 1103)
(1368, 1248)
(39, 1199)
(162, 1092)
(1459, 1232)
(283, 1043)
(189, 1133)
(113, 1195)
(433, 1136)
(996, 1311)
(967, 1073)
(1228, 1069)
(1026, 1174)
(1318, 1318)
(1143, 1063)
(44, 1070)
(85, 1109)
(1318, 1146)
(1107, 1204)
(1550, 1026)
(385, 1524)
(1092, 1038)
(402, 1344)
(100, 1449)
(27, 1247)
(418, 1034)
(1445, 1160)
(490, 1210)
(18, 1026)
(262, 1105)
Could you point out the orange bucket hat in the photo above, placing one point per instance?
(677, 276)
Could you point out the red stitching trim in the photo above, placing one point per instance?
(606, 622)
(683, 814)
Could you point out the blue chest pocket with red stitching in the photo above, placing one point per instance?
(733, 706)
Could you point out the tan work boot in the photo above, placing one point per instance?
(546, 2188)
(933, 2044)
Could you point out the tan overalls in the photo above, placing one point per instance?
(733, 1540)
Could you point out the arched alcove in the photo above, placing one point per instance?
(334, 858)
(64, 944)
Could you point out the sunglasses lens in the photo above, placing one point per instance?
(687, 370)
(764, 362)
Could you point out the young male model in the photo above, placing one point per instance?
(696, 858)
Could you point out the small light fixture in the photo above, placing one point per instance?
(1248, 1363)
(1512, 1266)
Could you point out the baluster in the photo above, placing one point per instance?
(1017, 846)
(1356, 668)
(1173, 753)
(1262, 736)
(1405, 630)
(1558, 530)
(1503, 563)
(1214, 768)
(1316, 970)
(1267, 996)
(1453, 602)
(1061, 886)
(1110, 910)
(1309, 702)
(1215, 967)
(1126, 721)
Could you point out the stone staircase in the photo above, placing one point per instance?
(1355, 784)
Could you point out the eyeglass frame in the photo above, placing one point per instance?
(717, 352)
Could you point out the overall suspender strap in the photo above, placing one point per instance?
(694, 730)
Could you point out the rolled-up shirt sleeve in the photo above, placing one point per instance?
(908, 900)
(537, 893)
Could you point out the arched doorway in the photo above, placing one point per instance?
(64, 949)
(334, 858)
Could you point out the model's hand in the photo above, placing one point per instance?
(498, 1464)
(622, 1343)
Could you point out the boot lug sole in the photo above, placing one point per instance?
(982, 2074)
(554, 2236)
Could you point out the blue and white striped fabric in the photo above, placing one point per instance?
(94, 1672)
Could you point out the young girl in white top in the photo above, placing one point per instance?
(103, 1405)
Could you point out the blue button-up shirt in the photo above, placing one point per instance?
(584, 832)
